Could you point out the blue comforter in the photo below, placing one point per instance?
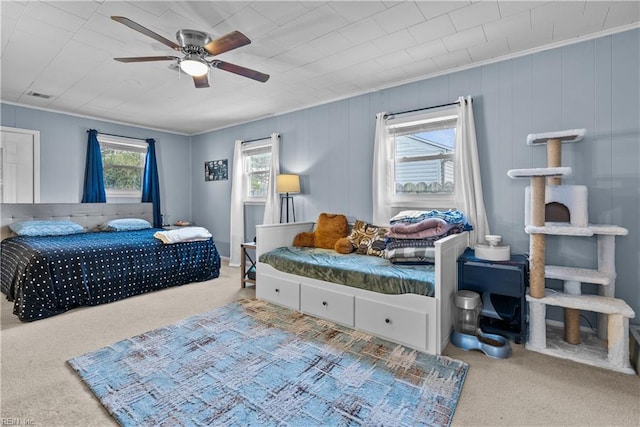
(45, 276)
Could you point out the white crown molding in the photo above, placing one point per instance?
(84, 116)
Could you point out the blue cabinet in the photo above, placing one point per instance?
(502, 286)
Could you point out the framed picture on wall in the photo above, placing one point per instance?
(216, 170)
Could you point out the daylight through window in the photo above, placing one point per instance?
(423, 151)
(123, 162)
(257, 167)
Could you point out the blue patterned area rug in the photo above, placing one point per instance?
(253, 363)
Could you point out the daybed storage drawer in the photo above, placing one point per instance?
(279, 290)
(331, 305)
(395, 323)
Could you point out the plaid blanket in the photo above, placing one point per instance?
(411, 255)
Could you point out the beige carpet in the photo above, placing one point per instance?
(39, 389)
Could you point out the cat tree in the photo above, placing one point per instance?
(553, 208)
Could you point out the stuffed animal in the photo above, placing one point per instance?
(330, 228)
(344, 246)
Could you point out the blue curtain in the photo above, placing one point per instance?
(151, 184)
(93, 178)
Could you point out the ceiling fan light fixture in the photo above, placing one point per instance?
(197, 46)
(194, 66)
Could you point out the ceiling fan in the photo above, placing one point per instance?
(197, 47)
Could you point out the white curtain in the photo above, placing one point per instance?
(382, 173)
(272, 207)
(237, 206)
(468, 184)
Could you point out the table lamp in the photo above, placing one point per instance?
(287, 184)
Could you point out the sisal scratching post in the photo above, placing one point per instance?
(536, 273)
(537, 241)
(572, 326)
(537, 200)
(554, 159)
(572, 315)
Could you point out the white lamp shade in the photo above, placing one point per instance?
(288, 184)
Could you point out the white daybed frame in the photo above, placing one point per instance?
(417, 321)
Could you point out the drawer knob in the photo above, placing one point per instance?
(387, 320)
(277, 290)
(324, 303)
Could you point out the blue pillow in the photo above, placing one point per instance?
(125, 224)
(45, 228)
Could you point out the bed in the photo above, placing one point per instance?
(48, 275)
(421, 319)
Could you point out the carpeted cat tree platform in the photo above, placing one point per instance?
(553, 208)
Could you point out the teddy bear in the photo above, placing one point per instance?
(330, 233)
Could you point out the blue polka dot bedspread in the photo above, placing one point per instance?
(45, 276)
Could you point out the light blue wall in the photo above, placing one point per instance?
(63, 148)
(594, 85)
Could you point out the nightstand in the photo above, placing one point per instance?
(503, 285)
(247, 264)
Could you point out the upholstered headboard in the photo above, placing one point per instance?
(89, 215)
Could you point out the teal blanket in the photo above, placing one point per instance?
(359, 271)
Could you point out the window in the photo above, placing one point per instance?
(257, 168)
(422, 153)
(123, 162)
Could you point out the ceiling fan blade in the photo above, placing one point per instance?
(226, 43)
(242, 71)
(146, 58)
(147, 32)
(201, 81)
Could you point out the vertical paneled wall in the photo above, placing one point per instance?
(63, 151)
(592, 84)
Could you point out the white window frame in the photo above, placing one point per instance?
(124, 144)
(419, 123)
(250, 149)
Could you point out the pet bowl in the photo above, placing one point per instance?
(492, 345)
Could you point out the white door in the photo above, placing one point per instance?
(19, 165)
